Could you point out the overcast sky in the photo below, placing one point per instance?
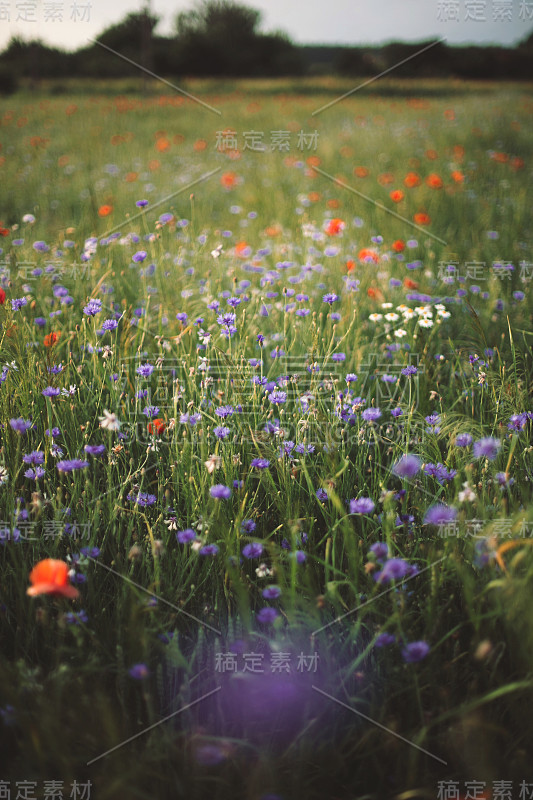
(68, 23)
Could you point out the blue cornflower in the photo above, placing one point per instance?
(277, 397)
(220, 492)
(35, 457)
(260, 463)
(267, 615)
(95, 449)
(415, 651)
(109, 325)
(50, 391)
(371, 414)
(253, 550)
(186, 536)
(145, 370)
(487, 448)
(363, 505)
(71, 464)
(142, 499)
(93, 307)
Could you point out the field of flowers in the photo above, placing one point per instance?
(266, 443)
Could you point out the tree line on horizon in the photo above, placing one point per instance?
(221, 38)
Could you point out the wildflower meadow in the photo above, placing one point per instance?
(266, 441)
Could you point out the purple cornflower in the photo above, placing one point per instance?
(109, 325)
(18, 302)
(504, 479)
(253, 550)
(224, 411)
(407, 466)
(71, 464)
(221, 432)
(277, 397)
(95, 449)
(50, 391)
(384, 639)
(321, 495)
(380, 550)
(394, 569)
(415, 651)
(220, 492)
(139, 256)
(371, 414)
(151, 411)
(440, 514)
(92, 308)
(139, 672)
(190, 419)
(433, 422)
(76, 617)
(34, 474)
(396, 412)
(186, 536)
(35, 457)
(20, 425)
(351, 377)
(517, 422)
(364, 505)
(248, 526)
(260, 463)
(463, 440)
(267, 615)
(330, 298)
(487, 448)
(208, 550)
(271, 592)
(142, 499)
(145, 370)
(409, 370)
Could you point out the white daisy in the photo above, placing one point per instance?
(109, 421)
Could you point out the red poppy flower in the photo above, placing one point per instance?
(51, 577)
(434, 181)
(228, 180)
(334, 226)
(51, 338)
(398, 246)
(397, 195)
(157, 426)
(2, 296)
(422, 219)
(366, 254)
(374, 293)
(411, 180)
